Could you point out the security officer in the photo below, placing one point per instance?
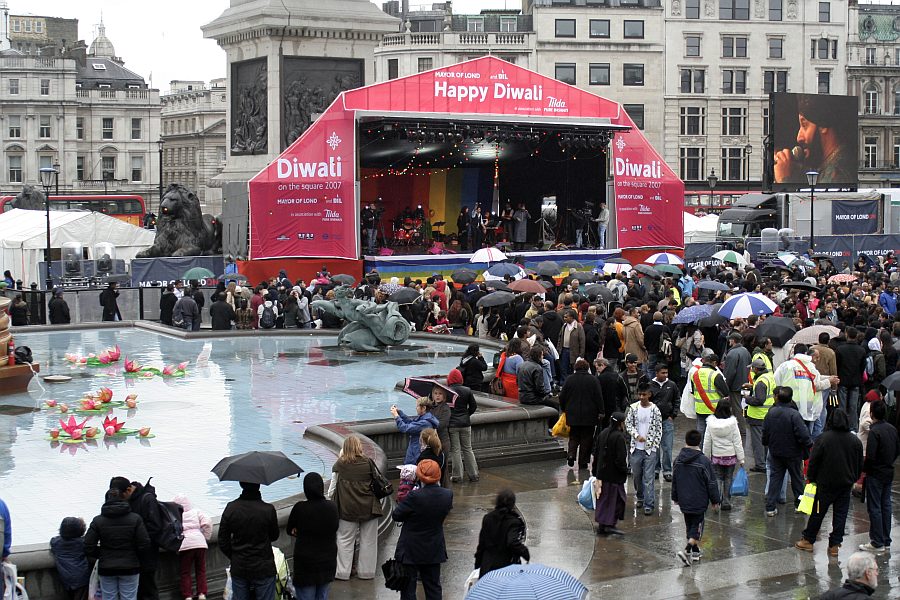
(763, 352)
(759, 396)
(708, 387)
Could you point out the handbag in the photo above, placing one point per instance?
(395, 575)
(496, 385)
(381, 487)
(808, 499)
(740, 486)
(561, 429)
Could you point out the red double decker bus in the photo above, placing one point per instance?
(705, 203)
(127, 207)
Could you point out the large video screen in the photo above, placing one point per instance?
(814, 132)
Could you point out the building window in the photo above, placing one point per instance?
(733, 164)
(15, 126)
(15, 169)
(27, 25)
(599, 74)
(565, 72)
(774, 81)
(425, 63)
(137, 168)
(693, 120)
(636, 112)
(599, 28)
(693, 81)
(393, 69)
(565, 28)
(44, 127)
(475, 25)
(734, 121)
(824, 82)
(823, 44)
(870, 152)
(692, 45)
(824, 12)
(871, 101)
(135, 129)
(13, 87)
(16, 25)
(897, 56)
(38, 27)
(734, 47)
(734, 10)
(765, 112)
(691, 164)
(632, 74)
(870, 56)
(108, 165)
(107, 128)
(634, 30)
(508, 25)
(897, 100)
(79, 168)
(734, 81)
(775, 10)
(896, 162)
(692, 9)
(776, 48)
(45, 87)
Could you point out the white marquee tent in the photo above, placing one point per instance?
(23, 237)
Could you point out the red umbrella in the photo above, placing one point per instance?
(527, 286)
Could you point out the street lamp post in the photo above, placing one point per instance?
(49, 177)
(712, 180)
(812, 177)
(160, 144)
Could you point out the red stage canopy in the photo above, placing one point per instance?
(305, 203)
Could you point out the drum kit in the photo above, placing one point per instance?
(409, 232)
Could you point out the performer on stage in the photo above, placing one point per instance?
(520, 235)
(462, 229)
(476, 228)
(602, 221)
(506, 218)
(368, 222)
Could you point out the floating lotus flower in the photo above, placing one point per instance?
(54, 433)
(112, 425)
(131, 400)
(63, 408)
(91, 432)
(71, 425)
(144, 431)
(92, 355)
(132, 366)
(105, 394)
(76, 434)
(114, 353)
(168, 370)
(88, 404)
(50, 403)
(182, 366)
(103, 358)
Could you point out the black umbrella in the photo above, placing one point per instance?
(464, 276)
(617, 261)
(570, 264)
(232, 277)
(600, 290)
(547, 268)
(405, 296)
(547, 284)
(821, 257)
(716, 286)
(496, 284)
(648, 271)
(584, 276)
(714, 319)
(799, 285)
(344, 279)
(256, 467)
(892, 381)
(779, 329)
(420, 387)
(498, 298)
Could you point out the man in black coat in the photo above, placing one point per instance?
(246, 532)
(143, 502)
(611, 468)
(652, 336)
(501, 541)
(421, 547)
(835, 464)
(787, 437)
(553, 323)
(581, 399)
(530, 379)
(666, 396)
(851, 363)
(613, 388)
(167, 304)
(221, 314)
(882, 450)
(58, 309)
(110, 304)
(862, 579)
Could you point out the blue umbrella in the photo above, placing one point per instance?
(744, 305)
(503, 269)
(692, 314)
(528, 582)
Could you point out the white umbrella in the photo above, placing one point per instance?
(730, 256)
(664, 258)
(744, 305)
(613, 268)
(487, 255)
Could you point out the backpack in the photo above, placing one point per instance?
(870, 367)
(665, 345)
(267, 318)
(172, 533)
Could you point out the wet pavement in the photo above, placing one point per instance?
(746, 555)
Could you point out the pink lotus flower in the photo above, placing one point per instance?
(72, 357)
(88, 404)
(90, 432)
(114, 353)
(131, 400)
(183, 366)
(144, 431)
(71, 425)
(54, 433)
(82, 360)
(168, 370)
(132, 366)
(110, 430)
(104, 358)
(76, 434)
(92, 355)
(63, 408)
(105, 394)
(50, 403)
(114, 423)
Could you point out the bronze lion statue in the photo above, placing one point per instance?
(181, 228)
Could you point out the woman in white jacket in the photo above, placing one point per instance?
(722, 443)
(197, 529)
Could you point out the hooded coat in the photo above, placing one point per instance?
(634, 338)
(144, 503)
(197, 526)
(501, 541)
(246, 531)
(118, 539)
(694, 483)
(314, 523)
(68, 551)
(413, 426)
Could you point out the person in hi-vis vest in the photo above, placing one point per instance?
(708, 387)
(759, 395)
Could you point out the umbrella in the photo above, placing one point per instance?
(529, 286)
(799, 285)
(841, 278)
(496, 284)
(810, 335)
(570, 264)
(669, 269)
(420, 387)
(232, 277)
(648, 271)
(612, 268)
(389, 288)
(198, 273)
(344, 279)
(891, 382)
(547, 284)
(788, 259)
(618, 261)
(600, 263)
(405, 296)
(744, 305)
(256, 467)
(583, 276)
(600, 290)
(503, 270)
(528, 582)
(664, 258)
(692, 314)
(464, 276)
(547, 268)
(710, 284)
(779, 329)
(487, 255)
(714, 319)
(820, 257)
(498, 298)
(730, 256)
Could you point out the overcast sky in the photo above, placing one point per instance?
(163, 38)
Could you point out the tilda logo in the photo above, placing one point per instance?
(306, 170)
(651, 170)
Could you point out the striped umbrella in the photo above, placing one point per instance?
(528, 582)
(487, 255)
(664, 258)
(744, 305)
(670, 269)
(612, 268)
(730, 256)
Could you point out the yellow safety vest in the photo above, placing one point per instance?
(707, 378)
(765, 358)
(759, 412)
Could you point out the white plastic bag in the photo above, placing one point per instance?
(227, 594)
(94, 584)
(9, 580)
(472, 579)
(586, 497)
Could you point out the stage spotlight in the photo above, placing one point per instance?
(440, 137)
(519, 137)
(491, 136)
(458, 138)
(430, 136)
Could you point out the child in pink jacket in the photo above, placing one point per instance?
(197, 529)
